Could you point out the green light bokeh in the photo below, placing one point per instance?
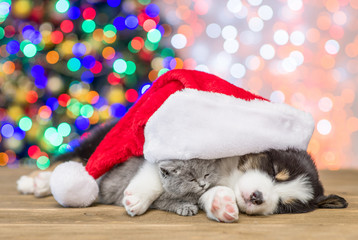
(43, 162)
(88, 26)
(110, 31)
(87, 111)
(2, 32)
(154, 36)
(30, 50)
(64, 129)
(131, 67)
(74, 64)
(25, 124)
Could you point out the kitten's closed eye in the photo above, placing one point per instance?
(192, 180)
(206, 175)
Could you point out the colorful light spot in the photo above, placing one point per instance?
(332, 47)
(152, 10)
(149, 24)
(31, 97)
(89, 61)
(131, 68)
(92, 97)
(34, 152)
(154, 36)
(109, 31)
(117, 110)
(30, 50)
(66, 26)
(87, 77)
(56, 37)
(87, 111)
(144, 88)
(82, 123)
(179, 41)
(43, 162)
(4, 159)
(13, 47)
(52, 57)
(37, 71)
(131, 22)
(52, 103)
(8, 67)
(74, 13)
(7, 130)
(63, 99)
(324, 127)
(62, 6)
(89, 13)
(113, 3)
(64, 129)
(280, 37)
(2, 33)
(79, 49)
(120, 66)
(25, 123)
(45, 112)
(74, 64)
(88, 26)
(97, 68)
(119, 23)
(108, 53)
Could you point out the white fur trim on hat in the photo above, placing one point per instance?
(206, 125)
(72, 186)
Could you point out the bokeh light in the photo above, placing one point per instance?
(69, 65)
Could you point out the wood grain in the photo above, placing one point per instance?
(25, 217)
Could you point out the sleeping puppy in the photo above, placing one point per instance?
(271, 182)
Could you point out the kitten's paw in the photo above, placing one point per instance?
(135, 204)
(25, 185)
(222, 206)
(42, 184)
(187, 210)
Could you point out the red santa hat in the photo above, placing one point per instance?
(185, 114)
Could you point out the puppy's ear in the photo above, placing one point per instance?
(331, 201)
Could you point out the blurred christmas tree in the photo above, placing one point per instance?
(66, 66)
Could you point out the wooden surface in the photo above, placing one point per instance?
(25, 217)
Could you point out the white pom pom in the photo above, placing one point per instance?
(72, 186)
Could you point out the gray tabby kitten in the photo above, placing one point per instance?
(183, 182)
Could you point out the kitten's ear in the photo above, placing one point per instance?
(331, 201)
(164, 172)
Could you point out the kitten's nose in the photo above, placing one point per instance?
(256, 198)
(202, 184)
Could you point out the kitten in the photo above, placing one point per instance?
(183, 183)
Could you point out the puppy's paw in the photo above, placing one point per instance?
(25, 185)
(134, 203)
(223, 206)
(187, 210)
(42, 184)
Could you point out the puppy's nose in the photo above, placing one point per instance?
(256, 198)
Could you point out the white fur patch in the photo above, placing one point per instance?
(143, 189)
(298, 188)
(251, 181)
(197, 124)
